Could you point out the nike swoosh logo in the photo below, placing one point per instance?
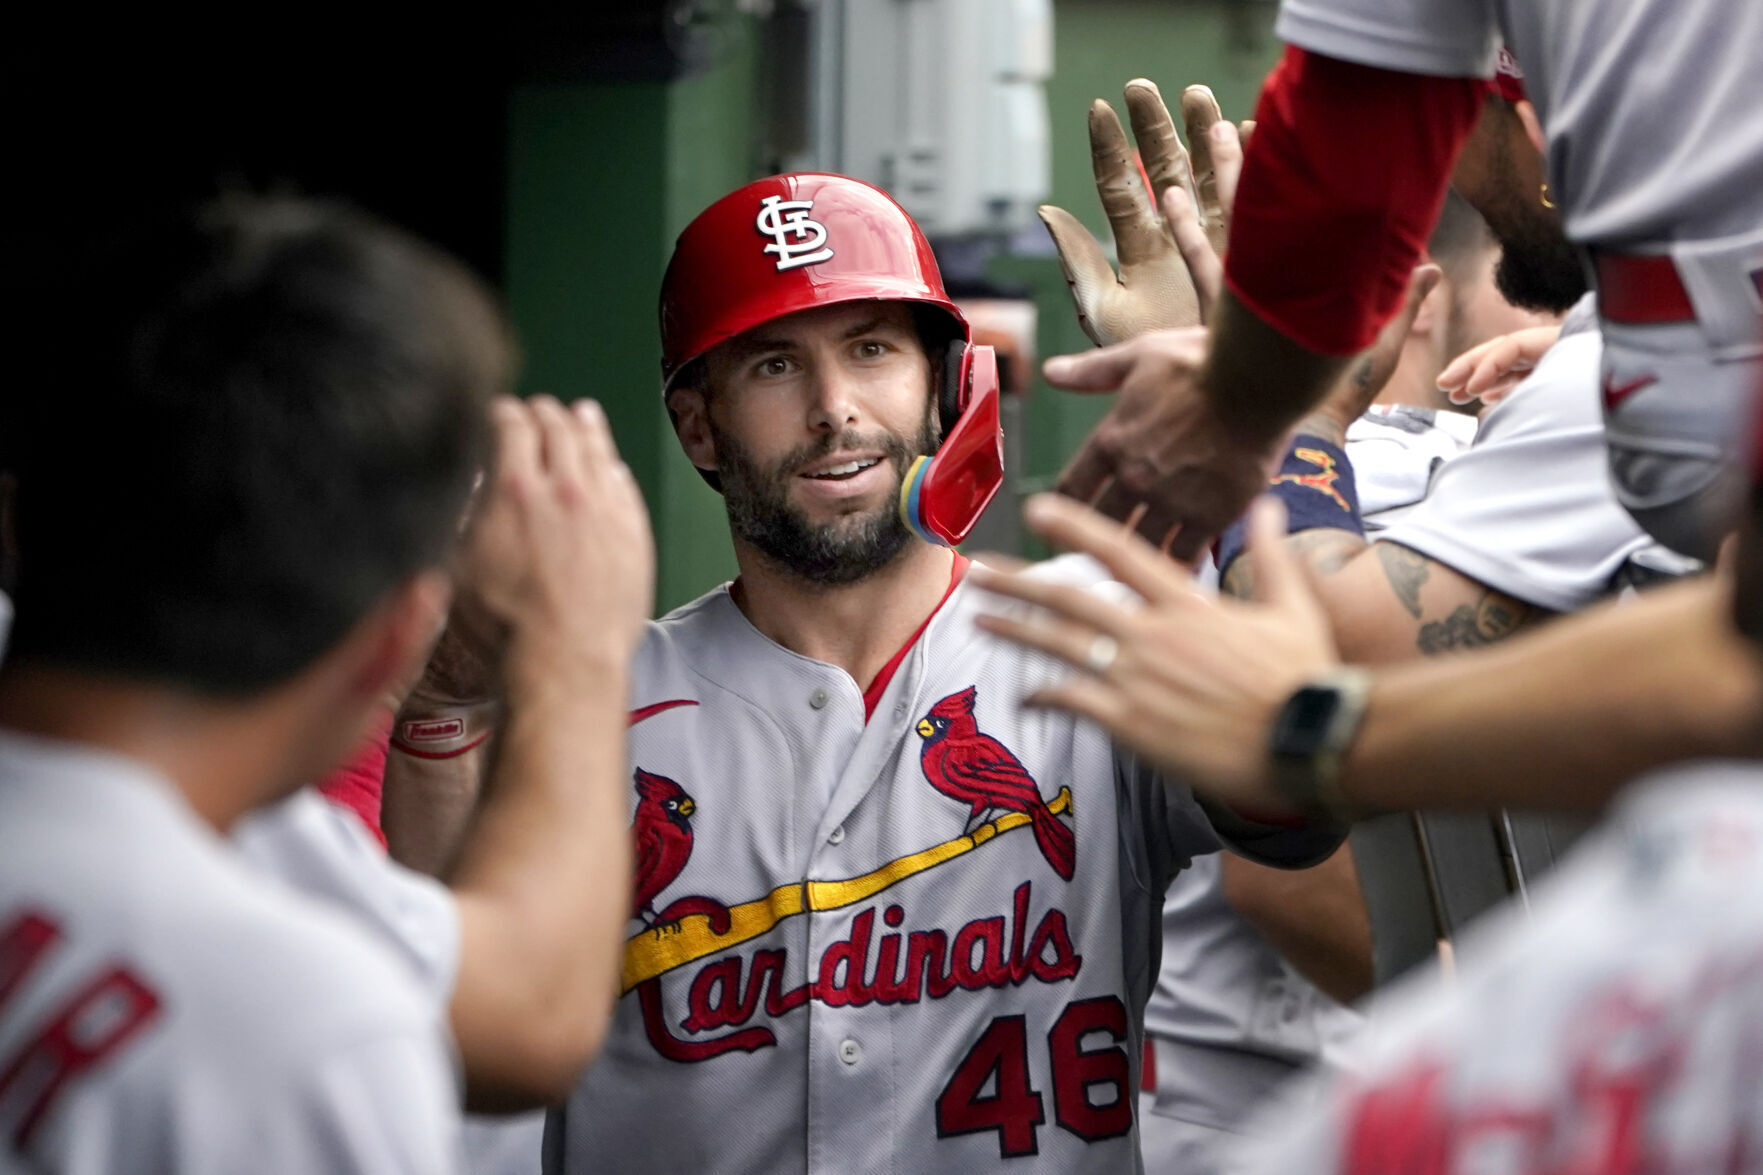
(642, 712)
(1615, 393)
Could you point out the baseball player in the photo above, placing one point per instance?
(163, 1006)
(1665, 196)
(1229, 1017)
(884, 917)
(508, 949)
(1617, 1027)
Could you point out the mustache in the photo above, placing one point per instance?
(894, 449)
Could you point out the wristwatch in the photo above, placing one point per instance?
(1310, 737)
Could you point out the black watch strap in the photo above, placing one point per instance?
(1310, 736)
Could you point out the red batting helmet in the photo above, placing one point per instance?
(796, 242)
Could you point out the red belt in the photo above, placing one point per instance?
(1641, 291)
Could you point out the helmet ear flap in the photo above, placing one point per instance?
(955, 388)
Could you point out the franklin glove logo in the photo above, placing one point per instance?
(795, 237)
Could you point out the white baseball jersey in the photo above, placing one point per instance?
(1396, 451)
(1229, 1018)
(164, 1007)
(321, 849)
(1529, 509)
(1617, 1028)
(918, 942)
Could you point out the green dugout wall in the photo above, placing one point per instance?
(602, 176)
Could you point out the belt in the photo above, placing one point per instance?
(1641, 290)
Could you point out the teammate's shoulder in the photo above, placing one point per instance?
(291, 980)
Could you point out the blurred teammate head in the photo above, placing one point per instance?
(1463, 310)
(248, 436)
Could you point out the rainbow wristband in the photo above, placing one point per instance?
(1316, 483)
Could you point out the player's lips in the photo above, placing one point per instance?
(845, 476)
(841, 466)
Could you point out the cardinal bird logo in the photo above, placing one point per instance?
(980, 771)
(663, 830)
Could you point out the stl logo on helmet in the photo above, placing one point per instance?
(795, 237)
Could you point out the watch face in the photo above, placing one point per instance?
(1304, 720)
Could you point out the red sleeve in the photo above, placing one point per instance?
(1342, 185)
(359, 783)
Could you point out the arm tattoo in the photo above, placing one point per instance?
(1494, 617)
(1407, 570)
(1325, 549)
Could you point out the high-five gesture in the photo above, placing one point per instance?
(1178, 460)
(1154, 289)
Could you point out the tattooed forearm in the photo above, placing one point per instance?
(1493, 617)
(1406, 570)
(1325, 549)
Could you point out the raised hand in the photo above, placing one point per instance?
(1190, 682)
(1154, 289)
(560, 553)
(1489, 371)
(1162, 455)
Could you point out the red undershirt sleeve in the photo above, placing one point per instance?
(359, 783)
(1342, 185)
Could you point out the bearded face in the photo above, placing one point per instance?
(846, 547)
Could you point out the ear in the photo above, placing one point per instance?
(1533, 127)
(690, 412)
(1432, 308)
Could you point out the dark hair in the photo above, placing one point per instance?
(239, 429)
(1458, 237)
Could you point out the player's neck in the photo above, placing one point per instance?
(1414, 382)
(220, 755)
(856, 626)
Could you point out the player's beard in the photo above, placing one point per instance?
(843, 551)
(1539, 269)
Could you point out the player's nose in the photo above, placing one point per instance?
(834, 396)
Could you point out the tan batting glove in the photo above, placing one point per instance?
(1155, 288)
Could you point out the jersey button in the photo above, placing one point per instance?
(818, 699)
(850, 1052)
(836, 836)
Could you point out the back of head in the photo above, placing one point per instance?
(238, 429)
(1460, 239)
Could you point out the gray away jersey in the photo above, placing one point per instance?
(1229, 1019)
(1615, 1026)
(1650, 105)
(164, 1007)
(861, 946)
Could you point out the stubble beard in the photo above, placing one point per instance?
(844, 551)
